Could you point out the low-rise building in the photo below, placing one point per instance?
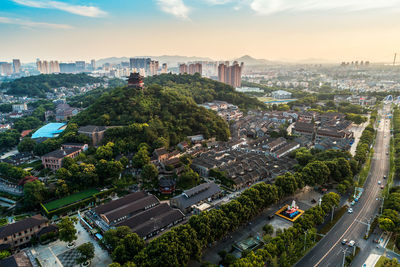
(53, 160)
(19, 234)
(195, 196)
(280, 94)
(141, 212)
(95, 133)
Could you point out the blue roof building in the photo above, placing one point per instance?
(50, 130)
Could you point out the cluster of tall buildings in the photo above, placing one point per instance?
(191, 68)
(146, 66)
(48, 67)
(231, 75)
(7, 69)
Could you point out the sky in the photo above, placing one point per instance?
(289, 30)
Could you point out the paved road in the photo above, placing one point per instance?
(329, 251)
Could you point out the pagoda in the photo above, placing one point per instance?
(135, 80)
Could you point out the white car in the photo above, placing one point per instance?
(379, 182)
(352, 243)
(350, 210)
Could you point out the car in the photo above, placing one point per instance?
(379, 182)
(353, 203)
(344, 241)
(384, 177)
(382, 186)
(387, 153)
(350, 210)
(352, 243)
(376, 240)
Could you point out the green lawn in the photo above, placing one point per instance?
(70, 199)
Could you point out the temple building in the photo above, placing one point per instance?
(135, 80)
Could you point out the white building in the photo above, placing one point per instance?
(280, 94)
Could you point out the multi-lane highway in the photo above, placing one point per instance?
(329, 251)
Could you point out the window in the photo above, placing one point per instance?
(21, 240)
(26, 231)
(5, 239)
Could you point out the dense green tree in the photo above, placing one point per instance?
(67, 230)
(26, 145)
(86, 253)
(149, 172)
(34, 194)
(188, 179)
(141, 158)
(111, 238)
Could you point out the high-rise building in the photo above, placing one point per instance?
(80, 66)
(93, 64)
(183, 68)
(231, 75)
(222, 72)
(6, 68)
(152, 68)
(164, 68)
(39, 65)
(195, 68)
(54, 67)
(16, 65)
(45, 67)
(140, 63)
(67, 67)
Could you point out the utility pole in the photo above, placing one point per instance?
(368, 224)
(383, 200)
(344, 256)
(333, 209)
(354, 250)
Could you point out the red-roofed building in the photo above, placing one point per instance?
(27, 179)
(25, 133)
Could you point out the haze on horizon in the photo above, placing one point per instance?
(289, 30)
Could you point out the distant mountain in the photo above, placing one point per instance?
(170, 60)
(251, 61)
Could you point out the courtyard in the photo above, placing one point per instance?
(57, 254)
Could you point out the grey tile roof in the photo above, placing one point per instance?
(204, 191)
(22, 225)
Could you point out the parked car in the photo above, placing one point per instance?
(382, 186)
(384, 177)
(352, 243)
(379, 182)
(350, 210)
(344, 241)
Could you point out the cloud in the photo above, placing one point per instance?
(174, 7)
(267, 7)
(87, 11)
(32, 24)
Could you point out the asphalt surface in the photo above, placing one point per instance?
(329, 251)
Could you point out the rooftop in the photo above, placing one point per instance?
(61, 153)
(22, 225)
(50, 130)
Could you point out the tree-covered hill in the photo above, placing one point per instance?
(38, 86)
(205, 90)
(156, 114)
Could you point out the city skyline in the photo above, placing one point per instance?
(280, 30)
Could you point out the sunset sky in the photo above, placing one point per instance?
(291, 30)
